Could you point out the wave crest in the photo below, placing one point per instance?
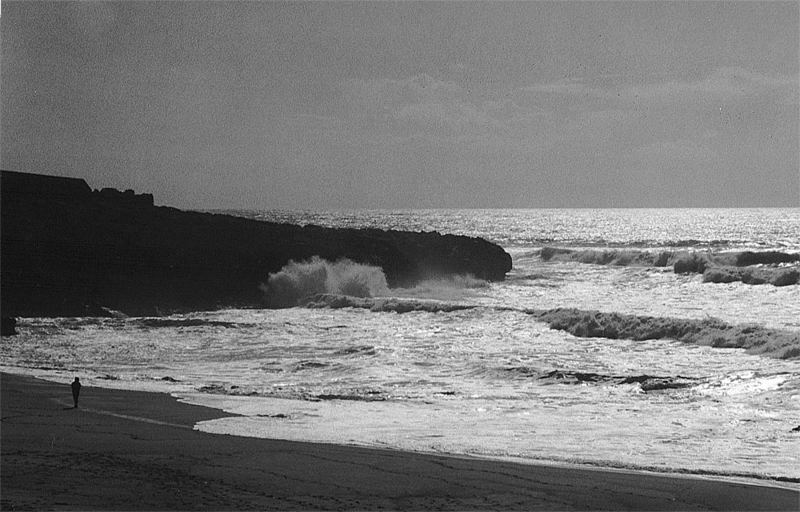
(713, 332)
(749, 267)
(616, 257)
(298, 280)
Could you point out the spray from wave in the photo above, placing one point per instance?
(298, 280)
(447, 288)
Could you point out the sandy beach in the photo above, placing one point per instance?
(124, 450)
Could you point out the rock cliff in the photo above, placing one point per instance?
(68, 250)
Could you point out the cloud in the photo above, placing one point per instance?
(724, 85)
(417, 103)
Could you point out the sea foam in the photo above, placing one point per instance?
(318, 282)
(749, 267)
(618, 257)
(298, 280)
(381, 304)
(712, 332)
(777, 276)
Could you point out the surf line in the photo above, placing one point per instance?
(126, 416)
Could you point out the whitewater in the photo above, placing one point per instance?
(606, 358)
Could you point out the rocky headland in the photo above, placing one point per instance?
(68, 250)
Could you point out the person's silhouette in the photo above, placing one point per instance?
(76, 390)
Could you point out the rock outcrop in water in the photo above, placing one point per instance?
(8, 326)
(647, 383)
(69, 251)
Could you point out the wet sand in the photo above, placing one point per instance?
(126, 450)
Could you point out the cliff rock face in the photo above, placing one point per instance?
(68, 250)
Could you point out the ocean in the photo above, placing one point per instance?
(460, 366)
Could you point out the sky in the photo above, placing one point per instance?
(339, 105)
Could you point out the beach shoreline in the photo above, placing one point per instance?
(139, 451)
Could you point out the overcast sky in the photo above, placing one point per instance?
(408, 105)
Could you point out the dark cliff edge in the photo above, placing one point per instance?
(68, 250)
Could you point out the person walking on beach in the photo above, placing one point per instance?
(76, 390)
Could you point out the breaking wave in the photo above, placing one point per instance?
(684, 261)
(297, 280)
(712, 332)
(618, 257)
(451, 282)
(749, 267)
(302, 283)
(776, 276)
(698, 262)
(447, 288)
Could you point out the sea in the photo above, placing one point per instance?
(461, 366)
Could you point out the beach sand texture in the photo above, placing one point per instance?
(124, 450)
